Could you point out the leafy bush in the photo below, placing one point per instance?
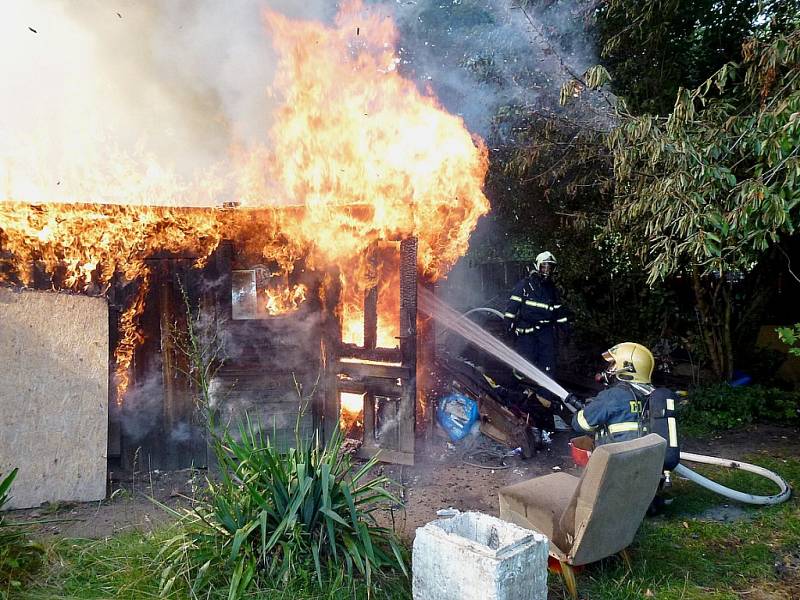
(19, 557)
(791, 337)
(721, 406)
(272, 513)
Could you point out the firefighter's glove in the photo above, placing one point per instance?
(511, 327)
(573, 403)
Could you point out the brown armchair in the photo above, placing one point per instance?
(596, 515)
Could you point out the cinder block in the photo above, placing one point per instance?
(473, 556)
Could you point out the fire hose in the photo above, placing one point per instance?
(458, 323)
(687, 473)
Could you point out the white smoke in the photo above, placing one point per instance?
(482, 57)
(162, 89)
(142, 411)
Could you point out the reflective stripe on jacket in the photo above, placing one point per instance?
(613, 415)
(533, 304)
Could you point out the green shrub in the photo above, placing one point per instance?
(19, 557)
(791, 337)
(721, 406)
(272, 512)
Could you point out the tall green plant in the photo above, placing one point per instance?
(5, 487)
(272, 511)
(791, 337)
(655, 47)
(202, 343)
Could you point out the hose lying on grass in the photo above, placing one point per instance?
(687, 473)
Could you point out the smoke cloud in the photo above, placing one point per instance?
(142, 410)
(157, 91)
(482, 57)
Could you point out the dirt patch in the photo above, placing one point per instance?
(129, 506)
(772, 440)
(726, 513)
(441, 479)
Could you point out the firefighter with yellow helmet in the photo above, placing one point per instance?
(614, 415)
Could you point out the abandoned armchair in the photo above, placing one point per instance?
(593, 516)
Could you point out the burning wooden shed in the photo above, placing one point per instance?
(362, 186)
(280, 356)
(291, 336)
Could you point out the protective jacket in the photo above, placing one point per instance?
(534, 304)
(613, 415)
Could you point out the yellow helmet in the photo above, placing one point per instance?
(630, 362)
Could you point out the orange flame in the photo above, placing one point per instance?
(354, 133)
(129, 338)
(369, 155)
(360, 151)
(288, 299)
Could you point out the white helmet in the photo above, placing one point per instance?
(542, 259)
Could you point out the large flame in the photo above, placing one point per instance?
(366, 154)
(352, 131)
(285, 299)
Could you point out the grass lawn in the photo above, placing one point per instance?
(125, 568)
(684, 553)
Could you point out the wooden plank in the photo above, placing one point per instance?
(283, 384)
(361, 370)
(427, 379)
(368, 438)
(168, 364)
(376, 354)
(386, 455)
(383, 387)
(408, 342)
(371, 314)
(114, 425)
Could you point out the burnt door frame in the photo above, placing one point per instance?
(390, 372)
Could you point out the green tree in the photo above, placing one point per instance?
(653, 47)
(706, 190)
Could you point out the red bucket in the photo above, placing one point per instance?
(581, 449)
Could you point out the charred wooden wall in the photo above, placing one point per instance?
(157, 425)
(273, 370)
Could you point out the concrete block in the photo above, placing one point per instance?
(53, 395)
(473, 556)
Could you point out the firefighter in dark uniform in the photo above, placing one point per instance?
(614, 414)
(534, 311)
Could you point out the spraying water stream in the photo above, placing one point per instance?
(482, 339)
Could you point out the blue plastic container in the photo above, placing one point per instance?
(457, 414)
